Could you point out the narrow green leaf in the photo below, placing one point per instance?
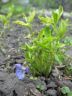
(58, 59)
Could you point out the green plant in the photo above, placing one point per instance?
(68, 67)
(14, 8)
(38, 3)
(40, 87)
(47, 48)
(66, 91)
(28, 20)
(45, 3)
(5, 19)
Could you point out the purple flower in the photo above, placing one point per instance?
(27, 70)
(21, 71)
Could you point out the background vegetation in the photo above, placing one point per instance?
(48, 4)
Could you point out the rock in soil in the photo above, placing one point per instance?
(51, 92)
(51, 85)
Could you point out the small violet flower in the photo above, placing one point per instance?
(21, 71)
(27, 70)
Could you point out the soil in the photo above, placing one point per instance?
(10, 54)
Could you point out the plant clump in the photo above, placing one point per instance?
(48, 47)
